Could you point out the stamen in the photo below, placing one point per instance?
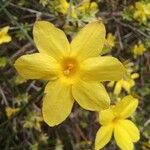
(66, 72)
(69, 66)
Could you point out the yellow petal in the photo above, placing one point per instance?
(103, 136)
(106, 116)
(122, 138)
(103, 69)
(89, 41)
(126, 106)
(6, 38)
(131, 129)
(91, 96)
(93, 6)
(118, 87)
(50, 40)
(4, 30)
(135, 76)
(128, 84)
(57, 103)
(37, 66)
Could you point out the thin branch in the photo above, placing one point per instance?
(31, 10)
(19, 52)
(3, 96)
(131, 27)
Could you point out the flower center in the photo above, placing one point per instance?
(116, 119)
(69, 66)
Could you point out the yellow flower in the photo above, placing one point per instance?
(127, 82)
(110, 40)
(74, 69)
(65, 8)
(113, 120)
(86, 6)
(138, 49)
(142, 11)
(4, 37)
(109, 43)
(10, 111)
(75, 11)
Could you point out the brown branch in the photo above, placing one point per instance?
(131, 27)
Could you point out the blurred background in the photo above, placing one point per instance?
(128, 38)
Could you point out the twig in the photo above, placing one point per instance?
(80, 132)
(145, 124)
(131, 27)
(119, 37)
(31, 10)
(32, 85)
(22, 50)
(3, 96)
